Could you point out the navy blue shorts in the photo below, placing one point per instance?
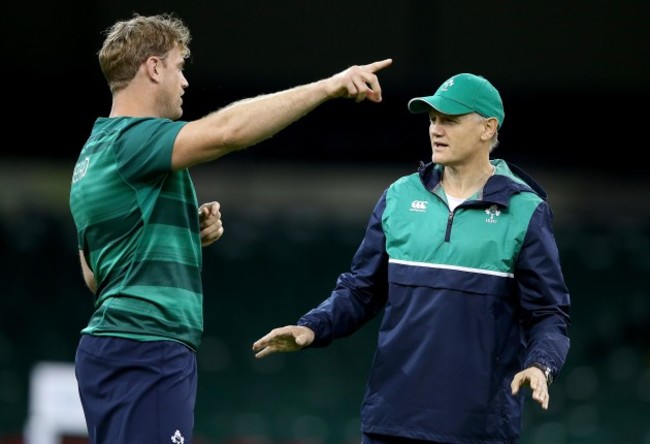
(136, 392)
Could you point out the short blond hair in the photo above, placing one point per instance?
(130, 42)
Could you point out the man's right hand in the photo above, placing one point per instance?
(283, 339)
(358, 82)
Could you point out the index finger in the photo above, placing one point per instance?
(264, 341)
(378, 66)
(515, 384)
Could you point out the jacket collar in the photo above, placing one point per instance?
(509, 179)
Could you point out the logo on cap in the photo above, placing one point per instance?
(445, 86)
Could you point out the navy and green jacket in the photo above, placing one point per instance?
(469, 298)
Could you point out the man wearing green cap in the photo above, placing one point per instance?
(461, 261)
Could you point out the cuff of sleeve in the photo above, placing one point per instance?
(547, 371)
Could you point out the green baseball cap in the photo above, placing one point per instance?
(462, 94)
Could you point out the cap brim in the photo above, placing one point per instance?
(439, 103)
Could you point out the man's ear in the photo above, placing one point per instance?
(152, 67)
(490, 127)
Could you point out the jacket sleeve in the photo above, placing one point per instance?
(544, 297)
(360, 293)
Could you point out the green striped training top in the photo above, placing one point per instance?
(137, 224)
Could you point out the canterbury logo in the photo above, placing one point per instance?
(419, 205)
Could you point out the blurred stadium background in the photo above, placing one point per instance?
(571, 75)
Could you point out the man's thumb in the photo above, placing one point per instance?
(301, 340)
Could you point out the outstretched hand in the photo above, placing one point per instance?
(536, 380)
(358, 82)
(283, 339)
(210, 223)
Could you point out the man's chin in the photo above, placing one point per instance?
(177, 115)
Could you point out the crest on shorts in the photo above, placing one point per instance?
(177, 438)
